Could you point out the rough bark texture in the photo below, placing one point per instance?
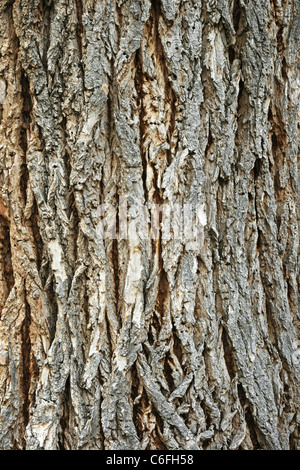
(147, 344)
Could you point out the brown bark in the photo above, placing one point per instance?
(140, 342)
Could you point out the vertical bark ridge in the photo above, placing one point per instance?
(26, 359)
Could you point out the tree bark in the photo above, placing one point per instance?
(147, 342)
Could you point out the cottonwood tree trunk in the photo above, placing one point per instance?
(140, 342)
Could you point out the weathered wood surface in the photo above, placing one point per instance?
(141, 343)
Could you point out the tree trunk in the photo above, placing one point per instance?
(146, 340)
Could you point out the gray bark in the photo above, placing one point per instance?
(142, 343)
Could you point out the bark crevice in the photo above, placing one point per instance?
(26, 377)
